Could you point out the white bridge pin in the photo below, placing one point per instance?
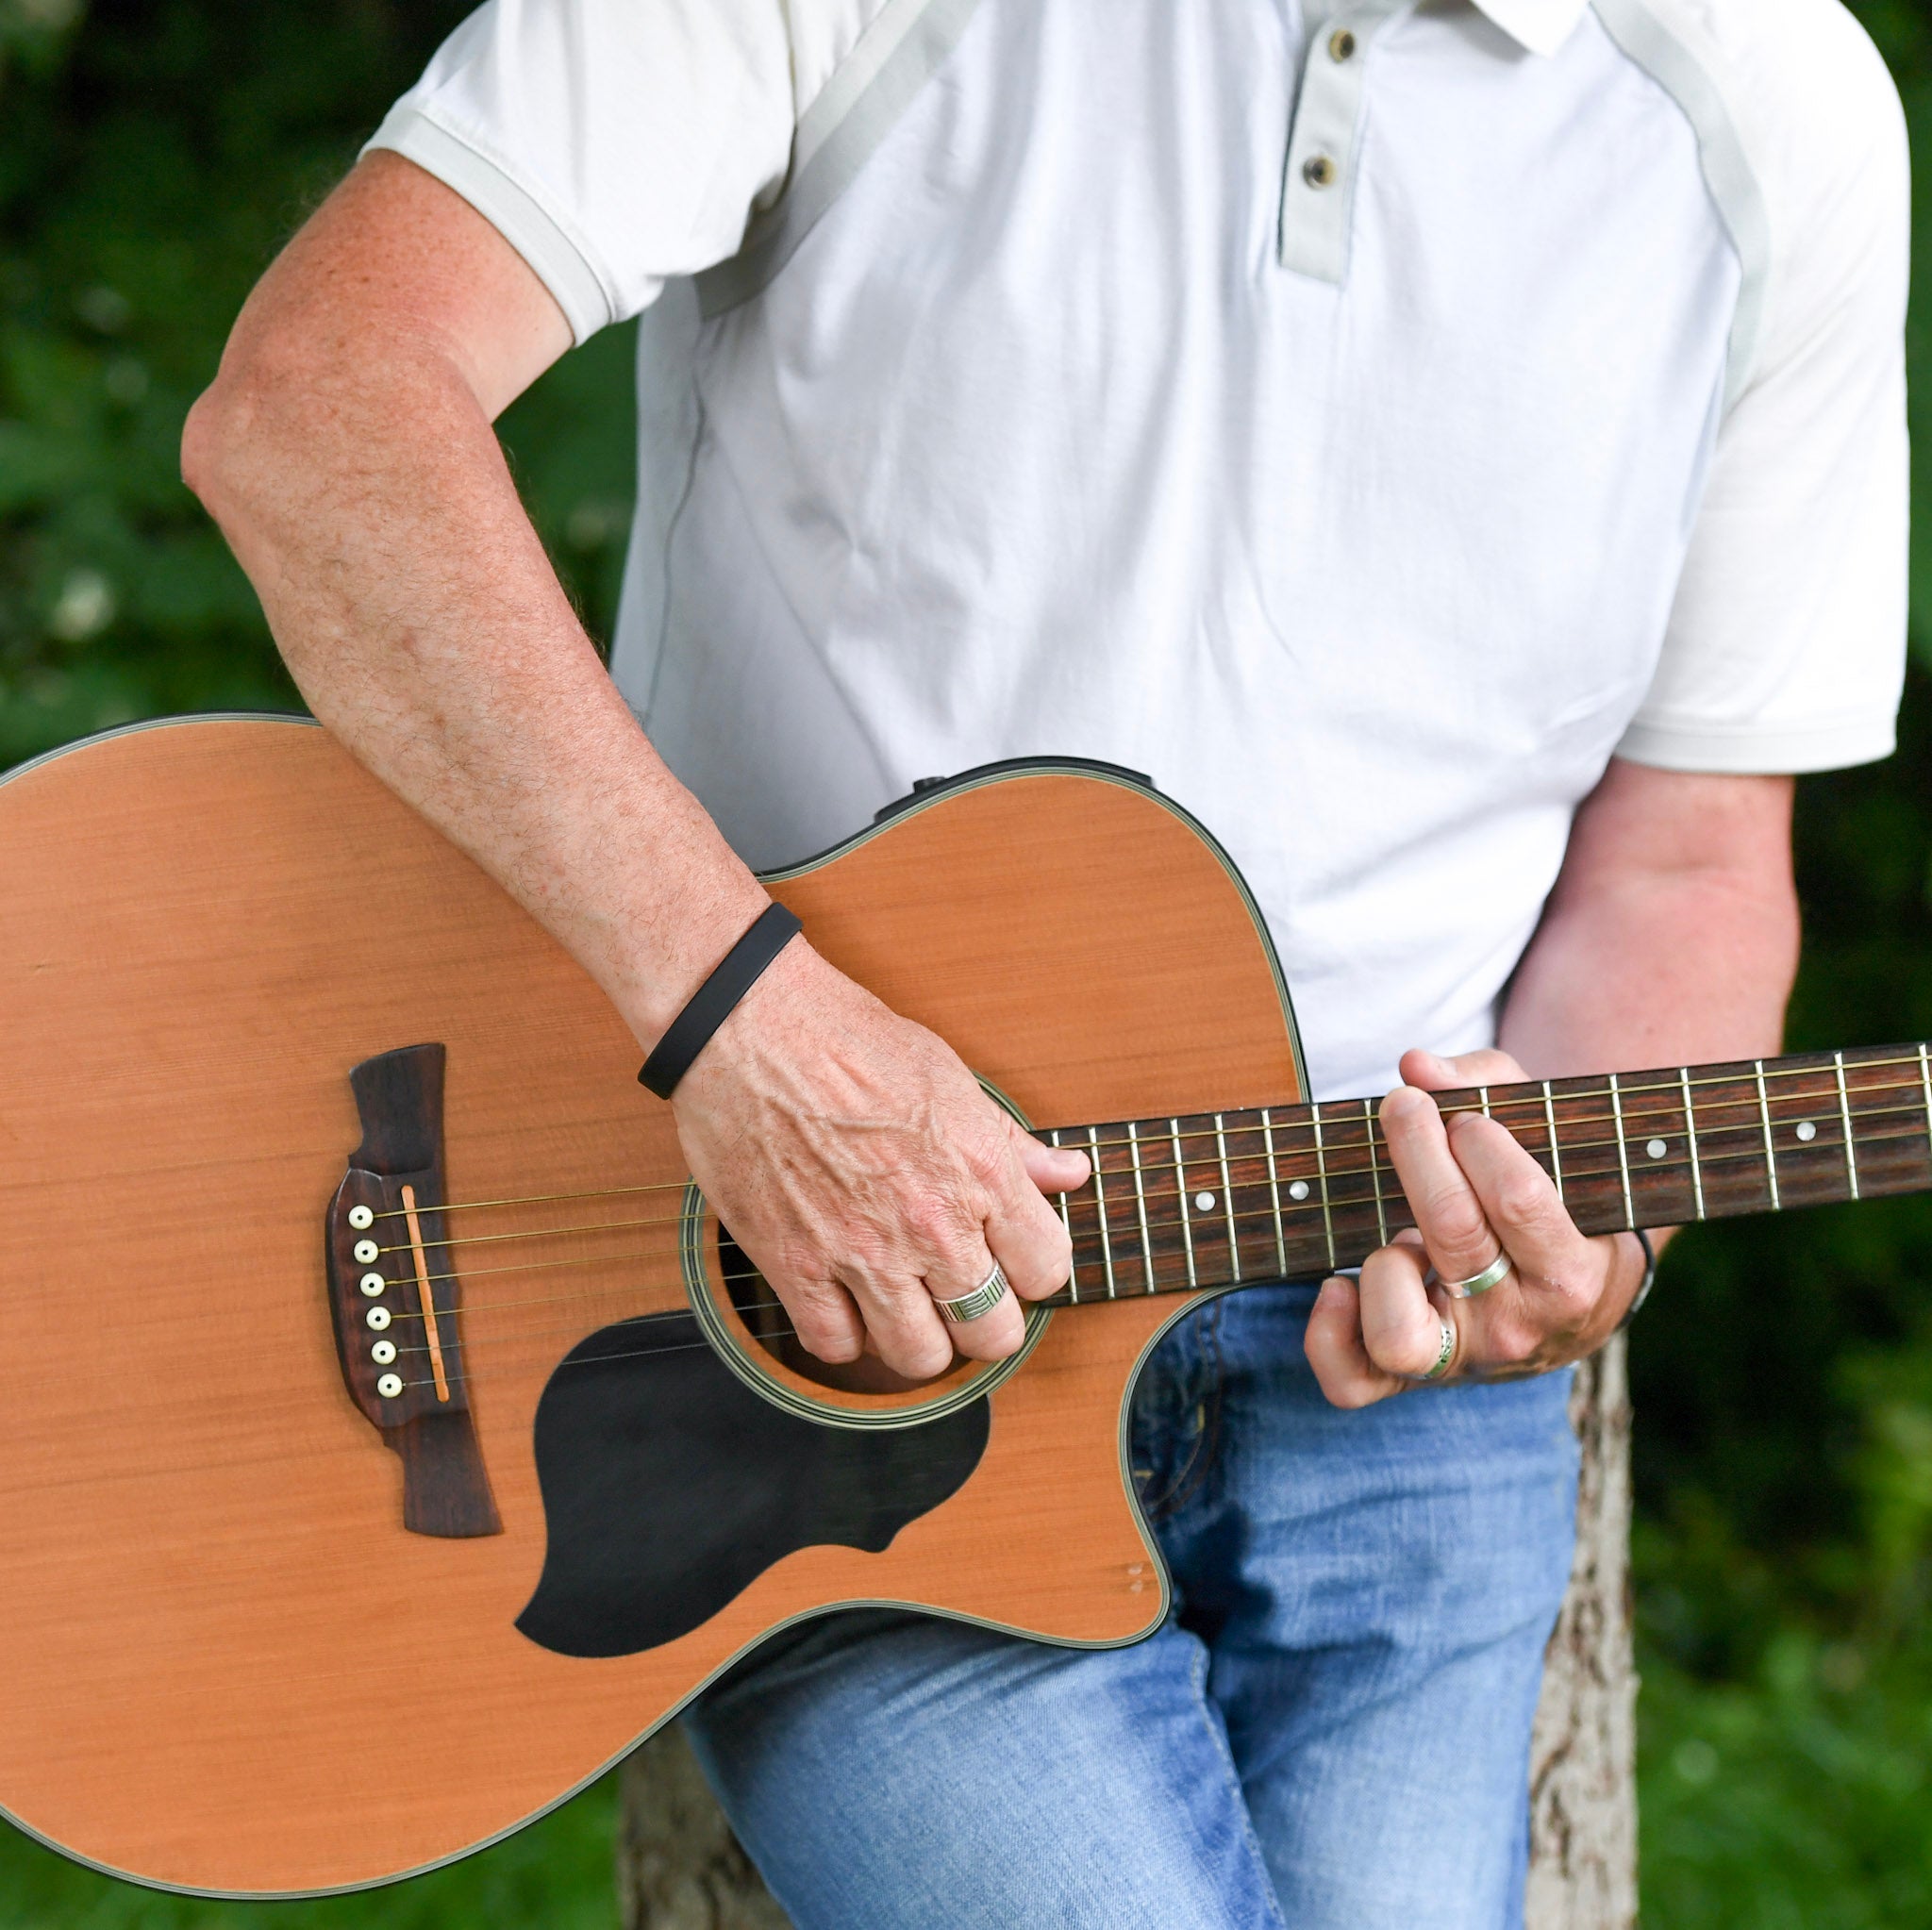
(361, 1219)
(390, 1386)
(378, 1317)
(383, 1352)
(373, 1284)
(366, 1251)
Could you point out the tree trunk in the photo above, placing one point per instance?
(679, 1867)
(1583, 1759)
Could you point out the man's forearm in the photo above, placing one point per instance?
(1672, 935)
(347, 453)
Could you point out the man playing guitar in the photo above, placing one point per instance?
(1456, 450)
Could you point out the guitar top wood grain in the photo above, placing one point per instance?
(218, 1676)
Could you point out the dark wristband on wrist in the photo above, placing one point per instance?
(1648, 1281)
(713, 1002)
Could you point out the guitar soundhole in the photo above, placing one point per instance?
(770, 1325)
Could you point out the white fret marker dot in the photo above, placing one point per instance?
(1807, 1130)
(1656, 1149)
(1299, 1190)
(1204, 1202)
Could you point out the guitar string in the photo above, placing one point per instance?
(1342, 1119)
(783, 1331)
(1135, 1257)
(1206, 1223)
(1234, 1157)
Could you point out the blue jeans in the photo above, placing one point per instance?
(1330, 1732)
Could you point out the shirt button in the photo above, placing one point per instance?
(1318, 171)
(1340, 45)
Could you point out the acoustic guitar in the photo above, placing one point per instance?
(391, 1437)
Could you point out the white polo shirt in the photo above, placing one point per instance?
(1366, 427)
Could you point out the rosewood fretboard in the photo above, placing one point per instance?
(1294, 1192)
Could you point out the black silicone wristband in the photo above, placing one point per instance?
(713, 1003)
(1648, 1281)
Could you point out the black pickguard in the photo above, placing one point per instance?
(669, 1487)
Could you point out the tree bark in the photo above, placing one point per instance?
(679, 1867)
(1583, 1757)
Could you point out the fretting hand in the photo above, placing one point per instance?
(862, 1168)
(1476, 1194)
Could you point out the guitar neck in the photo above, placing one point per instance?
(1294, 1192)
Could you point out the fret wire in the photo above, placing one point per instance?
(1556, 1157)
(1067, 1221)
(1322, 1175)
(1483, 1094)
(1234, 1251)
(1623, 1150)
(1770, 1150)
(1375, 1170)
(1845, 1113)
(1755, 1154)
(1753, 1127)
(1864, 1114)
(1275, 1193)
(1180, 1182)
(1528, 1098)
(1691, 1139)
(1100, 1204)
(1141, 1205)
(1926, 1086)
(1629, 1115)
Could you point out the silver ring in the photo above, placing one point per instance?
(983, 1299)
(1480, 1283)
(1444, 1355)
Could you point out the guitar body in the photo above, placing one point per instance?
(232, 1666)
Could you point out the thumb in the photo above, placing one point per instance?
(1052, 1169)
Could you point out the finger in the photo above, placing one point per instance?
(1522, 1202)
(1448, 1214)
(904, 1324)
(993, 1335)
(824, 1316)
(1338, 1352)
(1435, 1073)
(1402, 1320)
(1027, 1234)
(1052, 1169)
(1336, 1355)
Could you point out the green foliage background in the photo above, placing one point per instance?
(153, 157)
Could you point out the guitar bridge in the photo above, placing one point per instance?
(395, 1296)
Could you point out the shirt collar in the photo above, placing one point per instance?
(1539, 25)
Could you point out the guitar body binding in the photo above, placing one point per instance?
(236, 1671)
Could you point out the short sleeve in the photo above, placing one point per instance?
(616, 143)
(1785, 650)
